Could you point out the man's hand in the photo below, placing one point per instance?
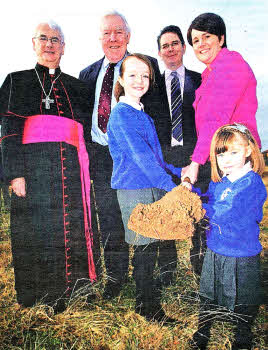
(18, 186)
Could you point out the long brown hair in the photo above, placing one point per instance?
(226, 136)
(118, 89)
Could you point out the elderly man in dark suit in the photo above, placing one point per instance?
(101, 77)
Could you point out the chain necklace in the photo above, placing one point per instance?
(47, 100)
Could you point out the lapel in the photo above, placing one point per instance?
(163, 90)
(189, 89)
(94, 72)
(188, 84)
(165, 105)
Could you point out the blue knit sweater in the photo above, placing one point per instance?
(234, 210)
(136, 152)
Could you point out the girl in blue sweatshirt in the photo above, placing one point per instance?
(140, 175)
(230, 279)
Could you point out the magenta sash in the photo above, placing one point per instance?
(51, 128)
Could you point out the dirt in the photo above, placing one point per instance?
(172, 217)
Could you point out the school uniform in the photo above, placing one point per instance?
(140, 175)
(230, 278)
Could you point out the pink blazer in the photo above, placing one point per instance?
(227, 94)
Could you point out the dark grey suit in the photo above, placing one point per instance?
(179, 156)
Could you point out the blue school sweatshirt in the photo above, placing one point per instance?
(136, 151)
(235, 210)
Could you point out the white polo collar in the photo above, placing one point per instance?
(138, 106)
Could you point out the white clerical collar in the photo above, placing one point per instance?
(240, 173)
(52, 71)
(180, 71)
(133, 104)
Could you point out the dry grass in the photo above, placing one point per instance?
(114, 325)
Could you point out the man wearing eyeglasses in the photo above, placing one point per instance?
(175, 122)
(43, 111)
(171, 49)
(48, 47)
(114, 38)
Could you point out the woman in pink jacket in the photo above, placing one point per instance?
(228, 90)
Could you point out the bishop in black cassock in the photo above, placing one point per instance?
(51, 246)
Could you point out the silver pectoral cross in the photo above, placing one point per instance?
(47, 102)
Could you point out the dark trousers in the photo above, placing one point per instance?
(144, 261)
(243, 317)
(107, 224)
(167, 262)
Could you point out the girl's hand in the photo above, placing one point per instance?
(191, 172)
(18, 186)
(187, 183)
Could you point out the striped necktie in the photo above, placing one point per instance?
(176, 107)
(104, 108)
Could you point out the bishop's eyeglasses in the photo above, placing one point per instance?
(44, 39)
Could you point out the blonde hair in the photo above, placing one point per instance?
(227, 135)
(118, 89)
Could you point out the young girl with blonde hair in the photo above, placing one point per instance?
(230, 279)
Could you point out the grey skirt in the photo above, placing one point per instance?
(128, 199)
(230, 281)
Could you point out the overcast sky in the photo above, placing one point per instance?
(246, 22)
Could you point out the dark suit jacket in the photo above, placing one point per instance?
(90, 75)
(159, 111)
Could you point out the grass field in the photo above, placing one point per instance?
(114, 325)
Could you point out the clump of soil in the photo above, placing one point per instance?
(172, 217)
